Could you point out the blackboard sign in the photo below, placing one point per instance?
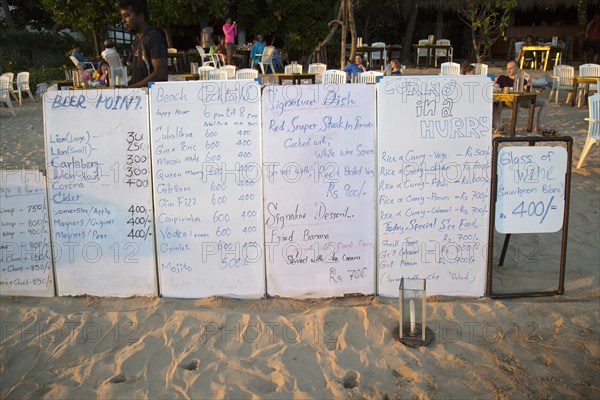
(98, 171)
(208, 188)
(531, 189)
(434, 182)
(25, 257)
(319, 162)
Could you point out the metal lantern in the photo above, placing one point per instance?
(413, 329)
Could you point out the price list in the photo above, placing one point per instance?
(319, 157)
(25, 257)
(208, 188)
(433, 183)
(97, 152)
(531, 189)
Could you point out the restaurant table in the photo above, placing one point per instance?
(431, 50)
(295, 78)
(244, 56)
(547, 49)
(582, 80)
(517, 99)
(370, 50)
(181, 60)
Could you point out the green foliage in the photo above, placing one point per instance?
(88, 18)
(22, 50)
(488, 20)
(45, 74)
(300, 24)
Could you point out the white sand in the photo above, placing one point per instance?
(549, 347)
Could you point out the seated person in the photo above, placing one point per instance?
(101, 74)
(220, 49)
(505, 81)
(256, 51)
(467, 69)
(353, 69)
(78, 54)
(109, 49)
(394, 68)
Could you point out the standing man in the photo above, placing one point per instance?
(230, 31)
(149, 49)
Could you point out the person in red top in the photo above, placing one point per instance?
(592, 38)
(230, 31)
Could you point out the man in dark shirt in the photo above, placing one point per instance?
(149, 49)
(507, 81)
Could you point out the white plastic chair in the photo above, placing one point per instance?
(266, 59)
(369, 77)
(11, 84)
(208, 59)
(334, 76)
(562, 79)
(230, 71)
(423, 52)
(84, 65)
(23, 86)
(118, 72)
(293, 69)
(317, 69)
(443, 53)
(587, 70)
(204, 72)
(594, 128)
(450, 68)
(217, 74)
(480, 69)
(5, 94)
(377, 56)
(246, 73)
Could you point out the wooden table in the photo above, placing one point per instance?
(295, 78)
(431, 50)
(546, 49)
(517, 99)
(582, 80)
(369, 50)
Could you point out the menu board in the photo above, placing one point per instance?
(319, 166)
(25, 257)
(433, 182)
(531, 189)
(208, 188)
(98, 171)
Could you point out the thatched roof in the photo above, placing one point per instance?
(449, 5)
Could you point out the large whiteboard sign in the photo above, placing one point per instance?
(531, 189)
(207, 187)
(98, 171)
(25, 257)
(433, 182)
(319, 161)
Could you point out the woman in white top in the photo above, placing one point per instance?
(109, 49)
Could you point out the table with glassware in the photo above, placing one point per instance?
(516, 99)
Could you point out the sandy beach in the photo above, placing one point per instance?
(213, 348)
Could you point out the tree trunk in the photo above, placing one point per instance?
(9, 21)
(317, 54)
(343, 38)
(412, 12)
(352, 26)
